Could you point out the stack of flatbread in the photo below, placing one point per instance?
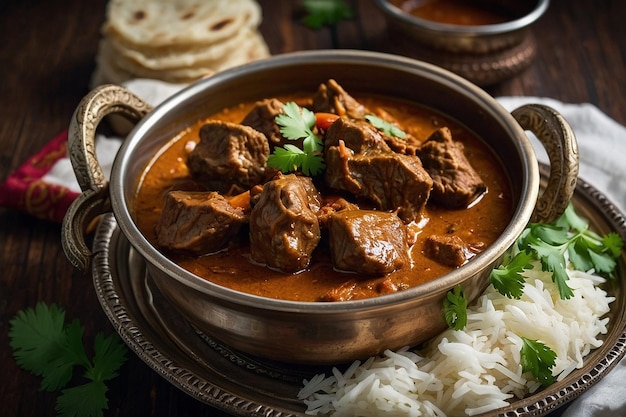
(178, 41)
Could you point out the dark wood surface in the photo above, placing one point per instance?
(47, 51)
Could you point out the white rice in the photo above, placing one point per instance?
(477, 369)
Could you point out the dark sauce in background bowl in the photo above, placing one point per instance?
(484, 41)
(456, 12)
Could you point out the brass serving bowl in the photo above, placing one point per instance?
(309, 332)
(484, 54)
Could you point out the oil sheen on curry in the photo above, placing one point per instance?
(325, 196)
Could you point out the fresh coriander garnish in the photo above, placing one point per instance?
(321, 13)
(455, 308)
(538, 359)
(588, 249)
(384, 126)
(548, 243)
(297, 123)
(46, 346)
(570, 234)
(508, 279)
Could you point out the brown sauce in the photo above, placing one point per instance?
(483, 222)
(454, 12)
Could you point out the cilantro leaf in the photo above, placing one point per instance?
(312, 165)
(109, 355)
(455, 308)
(87, 400)
(613, 244)
(46, 346)
(551, 254)
(286, 159)
(384, 126)
(297, 123)
(570, 219)
(321, 13)
(43, 345)
(507, 279)
(538, 359)
(571, 234)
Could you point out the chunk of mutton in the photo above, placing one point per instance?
(360, 162)
(455, 182)
(198, 222)
(284, 229)
(367, 242)
(262, 117)
(448, 250)
(230, 157)
(330, 97)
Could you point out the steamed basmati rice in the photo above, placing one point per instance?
(477, 369)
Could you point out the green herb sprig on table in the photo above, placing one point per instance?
(320, 13)
(46, 346)
(297, 123)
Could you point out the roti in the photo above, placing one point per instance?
(183, 55)
(152, 24)
(119, 67)
(177, 41)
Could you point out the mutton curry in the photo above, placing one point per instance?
(375, 196)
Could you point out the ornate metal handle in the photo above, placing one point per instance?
(81, 145)
(560, 143)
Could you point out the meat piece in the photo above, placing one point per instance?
(407, 145)
(455, 182)
(349, 290)
(230, 157)
(344, 292)
(390, 181)
(333, 206)
(448, 250)
(284, 229)
(262, 118)
(332, 98)
(357, 135)
(198, 222)
(367, 242)
(359, 161)
(403, 146)
(386, 286)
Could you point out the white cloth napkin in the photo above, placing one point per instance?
(602, 145)
(153, 92)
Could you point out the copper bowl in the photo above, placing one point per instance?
(309, 332)
(484, 54)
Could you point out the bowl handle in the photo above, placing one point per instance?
(81, 145)
(559, 140)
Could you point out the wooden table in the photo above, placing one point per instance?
(47, 54)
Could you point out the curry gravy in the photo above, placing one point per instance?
(455, 12)
(481, 223)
